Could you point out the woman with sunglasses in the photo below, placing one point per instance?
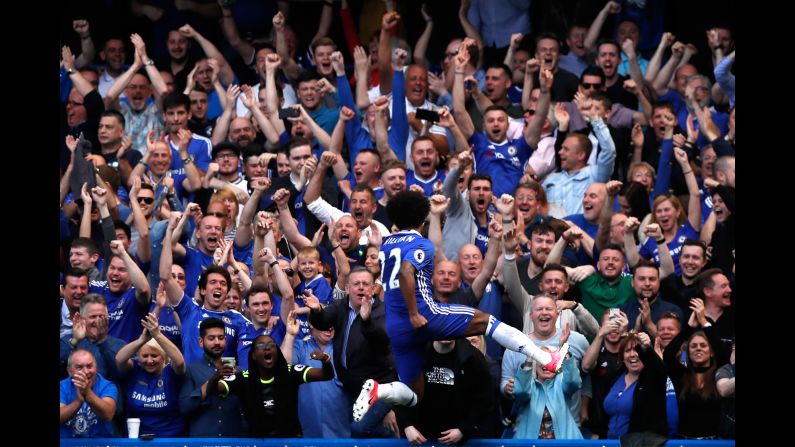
(156, 166)
(269, 389)
(142, 199)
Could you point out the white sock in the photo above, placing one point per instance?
(513, 339)
(397, 393)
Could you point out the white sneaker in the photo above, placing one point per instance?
(367, 398)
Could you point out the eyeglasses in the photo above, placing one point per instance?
(588, 85)
(264, 346)
(223, 155)
(179, 277)
(451, 54)
(218, 214)
(146, 200)
(530, 112)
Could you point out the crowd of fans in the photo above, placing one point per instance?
(225, 176)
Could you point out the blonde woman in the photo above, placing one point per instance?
(152, 383)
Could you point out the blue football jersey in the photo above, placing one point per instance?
(410, 246)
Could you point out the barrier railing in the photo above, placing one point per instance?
(316, 442)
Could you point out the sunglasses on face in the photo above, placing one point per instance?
(217, 214)
(588, 85)
(179, 277)
(146, 200)
(530, 112)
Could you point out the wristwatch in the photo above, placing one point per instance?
(149, 62)
(187, 160)
(71, 71)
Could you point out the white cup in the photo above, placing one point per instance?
(132, 427)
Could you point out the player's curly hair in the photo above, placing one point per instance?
(408, 209)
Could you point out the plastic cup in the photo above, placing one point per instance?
(132, 427)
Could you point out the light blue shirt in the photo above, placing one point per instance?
(572, 63)
(497, 20)
(567, 189)
(725, 78)
(578, 344)
(623, 67)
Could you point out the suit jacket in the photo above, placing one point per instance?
(368, 354)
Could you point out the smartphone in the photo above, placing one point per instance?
(614, 313)
(289, 113)
(468, 85)
(427, 115)
(230, 361)
(147, 436)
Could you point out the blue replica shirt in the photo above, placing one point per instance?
(581, 257)
(214, 108)
(323, 407)
(491, 303)
(236, 325)
(199, 148)
(321, 289)
(482, 238)
(300, 212)
(277, 334)
(706, 205)
(85, 423)
(502, 161)
(125, 312)
(587, 227)
(649, 249)
(618, 405)
(515, 93)
(245, 254)
(427, 185)
(194, 262)
(168, 324)
(155, 400)
(326, 118)
(407, 245)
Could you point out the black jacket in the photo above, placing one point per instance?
(649, 399)
(457, 394)
(368, 354)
